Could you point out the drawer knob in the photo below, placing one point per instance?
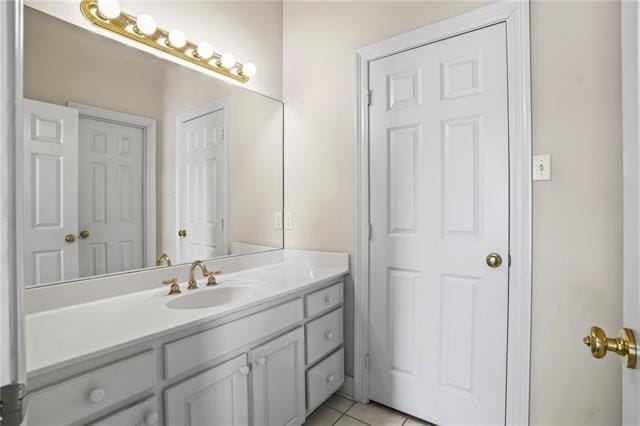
(151, 418)
(328, 335)
(330, 378)
(328, 299)
(244, 370)
(96, 395)
(261, 360)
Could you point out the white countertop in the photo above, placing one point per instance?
(58, 337)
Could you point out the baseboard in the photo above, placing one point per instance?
(347, 389)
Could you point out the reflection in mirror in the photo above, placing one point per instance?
(130, 161)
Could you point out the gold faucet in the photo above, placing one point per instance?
(175, 287)
(163, 259)
(192, 278)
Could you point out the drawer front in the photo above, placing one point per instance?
(192, 351)
(89, 393)
(324, 379)
(143, 413)
(323, 335)
(324, 299)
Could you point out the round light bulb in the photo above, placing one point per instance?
(228, 60)
(249, 69)
(177, 38)
(204, 50)
(146, 25)
(109, 9)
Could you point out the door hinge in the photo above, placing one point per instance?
(12, 404)
(223, 224)
(222, 134)
(370, 231)
(369, 96)
(367, 362)
(509, 260)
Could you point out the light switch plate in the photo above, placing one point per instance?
(542, 167)
(288, 220)
(277, 220)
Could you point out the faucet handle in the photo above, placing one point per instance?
(212, 278)
(175, 287)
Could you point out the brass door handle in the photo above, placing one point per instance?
(494, 260)
(69, 238)
(182, 233)
(624, 345)
(84, 234)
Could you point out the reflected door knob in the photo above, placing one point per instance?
(624, 345)
(84, 234)
(494, 260)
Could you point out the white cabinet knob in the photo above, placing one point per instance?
(96, 395)
(328, 335)
(261, 360)
(330, 378)
(244, 370)
(328, 299)
(151, 418)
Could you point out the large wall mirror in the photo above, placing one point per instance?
(127, 157)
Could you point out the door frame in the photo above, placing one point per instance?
(148, 127)
(515, 14)
(208, 108)
(630, 31)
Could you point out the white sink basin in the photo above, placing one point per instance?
(210, 297)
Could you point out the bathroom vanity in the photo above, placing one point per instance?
(264, 346)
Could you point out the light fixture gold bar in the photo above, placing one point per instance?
(124, 24)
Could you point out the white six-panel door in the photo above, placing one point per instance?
(439, 206)
(201, 187)
(50, 192)
(110, 197)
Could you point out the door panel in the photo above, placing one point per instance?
(110, 197)
(278, 381)
(202, 187)
(439, 206)
(216, 397)
(50, 153)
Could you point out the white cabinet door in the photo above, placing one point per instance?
(278, 381)
(49, 192)
(216, 397)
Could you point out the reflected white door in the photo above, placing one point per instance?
(110, 197)
(50, 192)
(439, 205)
(202, 187)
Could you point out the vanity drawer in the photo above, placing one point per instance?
(324, 299)
(185, 354)
(74, 399)
(142, 413)
(324, 379)
(323, 335)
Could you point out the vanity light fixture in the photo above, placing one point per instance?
(107, 14)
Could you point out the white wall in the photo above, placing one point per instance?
(577, 216)
(252, 30)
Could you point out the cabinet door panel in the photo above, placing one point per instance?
(278, 380)
(218, 396)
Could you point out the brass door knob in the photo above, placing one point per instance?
(494, 260)
(84, 234)
(182, 233)
(69, 238)
(624, 345)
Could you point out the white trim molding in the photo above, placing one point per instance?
(12, 349)
(148, 127)
(213, 106)
(515, 14)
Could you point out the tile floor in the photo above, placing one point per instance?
(340, 411)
